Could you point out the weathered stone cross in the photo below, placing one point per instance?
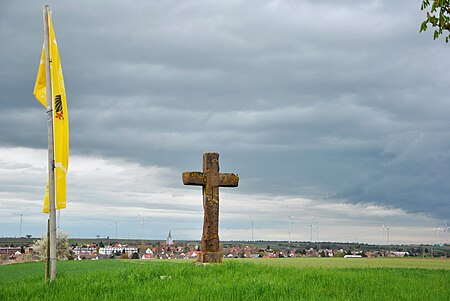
(211, 180)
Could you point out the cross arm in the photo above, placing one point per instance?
(229, 180)
(193, 178)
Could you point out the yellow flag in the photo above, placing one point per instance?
(60, 117)
(39, 88)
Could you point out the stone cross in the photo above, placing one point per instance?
(211, 180)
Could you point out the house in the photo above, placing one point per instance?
(191, 254)
(84, 250)
(109, 250)
(398, 254)
(9, 250)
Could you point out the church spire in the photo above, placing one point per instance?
(169, 240)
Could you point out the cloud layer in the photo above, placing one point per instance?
(149, 201)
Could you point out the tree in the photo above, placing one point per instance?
(438, 17)
(62, 246)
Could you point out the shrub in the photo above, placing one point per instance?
(62, 246)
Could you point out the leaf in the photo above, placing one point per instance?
(435, 35)
(423, 26)
(434, 6)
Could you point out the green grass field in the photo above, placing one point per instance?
(262, 279)
(338, 263)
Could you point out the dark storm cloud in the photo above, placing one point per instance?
(326, 99)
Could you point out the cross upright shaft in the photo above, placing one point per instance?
(210, 179)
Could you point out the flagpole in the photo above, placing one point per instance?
(51, 155)
(47, 258)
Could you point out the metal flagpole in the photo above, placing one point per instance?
(51, 155)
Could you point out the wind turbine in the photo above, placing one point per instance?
(387, 229)
(289, 219)
(317, 230)
(59, 215)
(437, 229)
(311, 232)
(314, 226)
(446, 231)
(143, 218)
(251, 220)
(117, 223)
(20, 221)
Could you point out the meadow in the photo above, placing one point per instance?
(235, 279)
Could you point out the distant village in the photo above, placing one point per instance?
(173, 250)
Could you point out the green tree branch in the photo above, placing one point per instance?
(438, 17)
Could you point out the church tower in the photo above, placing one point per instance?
(169, 240)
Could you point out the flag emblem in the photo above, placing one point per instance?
(59, 108)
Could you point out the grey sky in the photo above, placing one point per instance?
(338, 103)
